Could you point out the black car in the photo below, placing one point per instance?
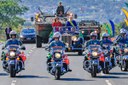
(28, 35)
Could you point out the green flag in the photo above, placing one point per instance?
(51, 34)
(81, 35)
(108, 29)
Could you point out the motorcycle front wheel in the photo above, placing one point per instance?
(57, 73)
(94, 71)
(12, 71)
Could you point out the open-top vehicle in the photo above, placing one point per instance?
(88, 26)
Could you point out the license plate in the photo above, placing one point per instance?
(28, 38)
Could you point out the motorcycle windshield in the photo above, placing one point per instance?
(60, 50)
(12, 47)
(94, 48)
(121, 45)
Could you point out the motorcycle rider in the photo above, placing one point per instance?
(14, 41)
(56, 42)
(122, 38)
(106, 41)
(93, 41)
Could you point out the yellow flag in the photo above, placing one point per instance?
(126, 21)
(125, 12)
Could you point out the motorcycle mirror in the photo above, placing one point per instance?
(3, 48)
(23, 48)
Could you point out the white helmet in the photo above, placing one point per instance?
(105, 35)
(13, 33)
(122, 31)
(93, 34)
(56, 35)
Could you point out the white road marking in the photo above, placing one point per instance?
(13, 82)
(28, 54)
(102, 74)
(108, 82)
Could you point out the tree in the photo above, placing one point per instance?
(10, 10)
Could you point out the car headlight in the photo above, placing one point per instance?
(67, 44)
(82, 32)
(94, 54)
(12, 54)
(74, 38)
(126, 50)
(39, 20)
(57, 55)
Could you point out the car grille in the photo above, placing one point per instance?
(67, 39)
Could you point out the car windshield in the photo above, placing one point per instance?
(28, 31)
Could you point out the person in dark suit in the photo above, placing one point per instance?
(7, 31)
(60, 9)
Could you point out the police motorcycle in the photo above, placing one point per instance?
(123, 57)
(107, 50)
(92, 65)
(57, 66)
(13, 63)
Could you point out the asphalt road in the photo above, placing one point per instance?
(35, 72)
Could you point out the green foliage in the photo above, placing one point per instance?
(9, 12)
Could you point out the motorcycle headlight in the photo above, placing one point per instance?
(57, 55)
(21, 36)
(12, 54)
(126, 50)
(74, 38)
(94, 54)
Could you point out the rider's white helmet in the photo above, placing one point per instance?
(122, 31)
(105, 35)
(56, 35)
(93, 34)
(13, 33)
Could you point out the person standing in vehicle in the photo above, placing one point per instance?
(56, 24)
(7, 31)
(71, 23)
(60, 9)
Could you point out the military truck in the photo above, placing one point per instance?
(43, 25)
(88, 26)
(44, 28)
